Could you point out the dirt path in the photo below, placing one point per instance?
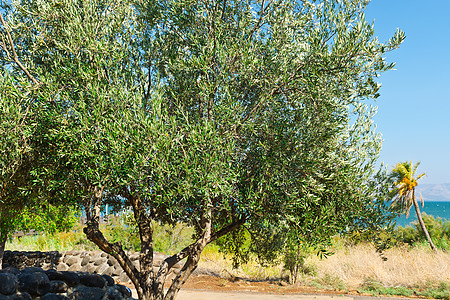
(210, 295)
(207, 295)
(204, 287)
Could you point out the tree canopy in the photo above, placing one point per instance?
(226, 115)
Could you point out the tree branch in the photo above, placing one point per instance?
(262, 13)
(94, 234)
(146, 236)
(14, 56)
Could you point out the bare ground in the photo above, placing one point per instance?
(207, 287)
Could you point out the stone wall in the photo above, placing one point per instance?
(35, 283)
(93, 262)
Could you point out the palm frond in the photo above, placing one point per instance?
(414, 168)
(420, 176)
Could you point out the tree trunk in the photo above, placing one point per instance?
(422, 224)
(148, 285)
(93, 233)
(3, 238)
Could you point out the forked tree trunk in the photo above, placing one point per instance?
(422, 224)
(150, 286)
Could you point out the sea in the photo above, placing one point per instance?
(438, 209)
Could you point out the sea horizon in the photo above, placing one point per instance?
(437, 209)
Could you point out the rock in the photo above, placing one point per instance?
(11, 270)
(72, 279)
(21, 296)
(99, 261)
(84, 293)
(117, 270)
(124, 290)
(34, 254)
(111, 261)
(32, 270)
(37, 283)
(85, 261)
(74, 268)
(62, 267)
(70, 260)
(108, 279)
(73, 253)
(109, 271)
(123, 277)
(113, 294)
(101, 269)
(91, 268)
(8, 283)
(51, 296)
(92, 280)
(58, 286)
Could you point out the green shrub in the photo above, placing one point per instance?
(407, 235)
(442, 291)
(374, 287)
(438, 229)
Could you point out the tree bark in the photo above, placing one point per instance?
(422, 224)
(94, 234)
(146, 274)
(193, 258)
(150, 286)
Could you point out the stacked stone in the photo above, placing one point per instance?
(35, 283)
(94, 262)
(22, 259)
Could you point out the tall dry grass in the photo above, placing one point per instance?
(404, 266)
(349, 268)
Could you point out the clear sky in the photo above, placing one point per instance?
(414, 107)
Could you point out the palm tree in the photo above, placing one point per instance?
(404, 192)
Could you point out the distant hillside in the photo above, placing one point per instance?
(434, 192)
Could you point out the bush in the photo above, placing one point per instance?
(442, 291)
(374, 287)
(438, 229)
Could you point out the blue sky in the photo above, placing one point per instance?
(414, 107)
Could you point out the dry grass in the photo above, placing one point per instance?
(404, 266)
(349, 268)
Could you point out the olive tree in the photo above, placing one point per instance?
(225, 115)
